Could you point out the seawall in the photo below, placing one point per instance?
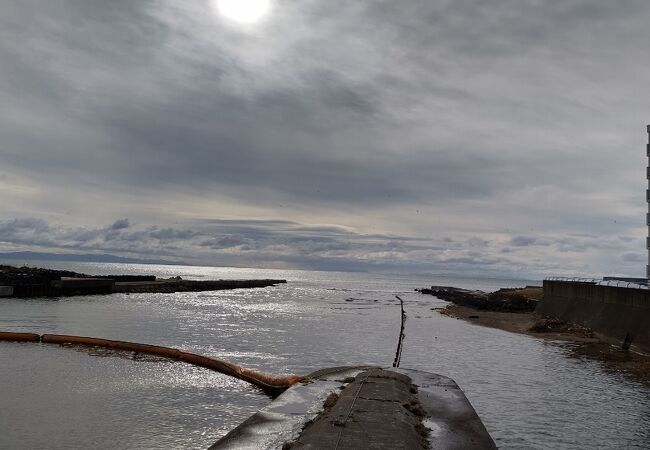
(614, 312)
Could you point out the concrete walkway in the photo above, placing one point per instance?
(379, 409)
(356, 408)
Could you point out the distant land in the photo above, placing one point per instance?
(87, 257)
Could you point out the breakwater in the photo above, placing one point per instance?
(619, 313)
(25, 282)
(178, 285)
(102, 286)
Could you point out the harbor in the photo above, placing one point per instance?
(284, 225)
(316, 321)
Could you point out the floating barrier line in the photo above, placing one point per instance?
(272, 384)
(400, 339)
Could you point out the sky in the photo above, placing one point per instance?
(469, 137)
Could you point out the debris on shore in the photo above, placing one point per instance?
(553, 325)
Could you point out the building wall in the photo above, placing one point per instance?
(647, 268)
(608, 310)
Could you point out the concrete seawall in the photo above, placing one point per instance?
(614, 312)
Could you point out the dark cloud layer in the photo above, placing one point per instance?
(272, 243)
(512, 122)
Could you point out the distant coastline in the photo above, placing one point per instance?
(80, 257)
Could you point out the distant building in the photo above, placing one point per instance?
(647, 267)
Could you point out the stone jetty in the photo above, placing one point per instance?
(25, 282)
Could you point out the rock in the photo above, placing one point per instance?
(503, 300)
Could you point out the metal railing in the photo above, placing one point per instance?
(600, 282)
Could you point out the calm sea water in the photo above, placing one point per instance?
(529, 393)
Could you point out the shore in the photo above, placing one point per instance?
(586, 343)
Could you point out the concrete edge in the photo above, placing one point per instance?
(452, 419)
(283, 419)
(453, 422)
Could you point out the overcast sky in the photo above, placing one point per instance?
(495, 137)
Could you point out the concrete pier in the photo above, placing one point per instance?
(178, 285)
(365, 408)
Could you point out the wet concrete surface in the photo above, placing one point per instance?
(365, 408)
(379, 409)
(281, 422)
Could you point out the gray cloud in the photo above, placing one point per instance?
(120, 224)
(273, 243)
(523, 241)
(512, 127)
(634, 257)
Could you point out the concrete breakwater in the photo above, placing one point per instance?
(619, 313)
(178, 285)
(365, 408)
(25, 282)
(98, 286)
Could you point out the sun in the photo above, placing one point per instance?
(244, 11)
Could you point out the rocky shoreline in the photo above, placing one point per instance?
(513, 310)
(504, 300)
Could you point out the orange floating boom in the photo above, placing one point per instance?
(19, 337)
(269, 383)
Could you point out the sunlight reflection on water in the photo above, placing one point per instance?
(530, 393)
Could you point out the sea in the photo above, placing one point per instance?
(530, 393)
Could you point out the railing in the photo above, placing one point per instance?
(600, 282)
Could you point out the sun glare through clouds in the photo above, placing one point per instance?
(243, 11)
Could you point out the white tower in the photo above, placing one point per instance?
(647, 267)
